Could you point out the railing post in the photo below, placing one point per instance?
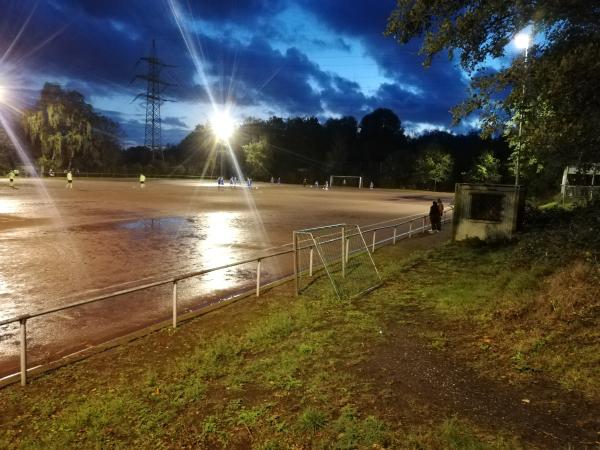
(258, 278)
(296, 262)
(343, 242)
(410, 229)
(423, 224)
(23, 350)
(395, 229)
(374, 240)
(347, 249)
(310, 261)
(174, 303)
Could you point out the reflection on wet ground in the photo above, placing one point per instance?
(157, 224)
(173, 245)
(8, 206)
(108, 238)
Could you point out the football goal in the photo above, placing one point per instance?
(335, 252)
(346, 180)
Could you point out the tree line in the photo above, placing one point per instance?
(64, 132)
(545, 100)
(376, 148)
(538, 112)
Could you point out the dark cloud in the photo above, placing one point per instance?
(93, 46)
(420, 94)
(175, 122)
(345, 98)
(235, 10)
(133, 133)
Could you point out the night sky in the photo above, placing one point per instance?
(324, 58)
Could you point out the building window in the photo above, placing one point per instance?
(487, 207)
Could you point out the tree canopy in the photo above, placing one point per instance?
(553, 94)
(63, 130)
(7, 152)
(434, 165)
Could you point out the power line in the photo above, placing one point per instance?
(153, 99)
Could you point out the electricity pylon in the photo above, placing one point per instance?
(153, 99)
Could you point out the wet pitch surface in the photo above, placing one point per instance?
(59, 245)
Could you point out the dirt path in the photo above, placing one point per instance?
(414, 380)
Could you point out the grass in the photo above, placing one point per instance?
(453, 434)
(300, 373)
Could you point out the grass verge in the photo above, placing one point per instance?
(280, 372)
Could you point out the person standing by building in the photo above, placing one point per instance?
(69, 179)
(441, 208)
(434, 217)
(142, 180)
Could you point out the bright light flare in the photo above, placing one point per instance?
(222, 125)
(2, 94)
(523, 40)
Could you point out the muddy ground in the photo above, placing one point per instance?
(392, 372)
(60, 245)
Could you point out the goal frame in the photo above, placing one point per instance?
(344, 255)
(360, 179)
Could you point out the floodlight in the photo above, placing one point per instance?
(522, 40)
(222, 125)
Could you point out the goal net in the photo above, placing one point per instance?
(348, 181)
(335, 252)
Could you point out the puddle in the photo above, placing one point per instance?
(167, 224)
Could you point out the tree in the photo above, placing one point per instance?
(62, 128)
(554, 91)
(434, 165)
(7, 152)
(486, 169)
(342, 140)
(380, 133)
(258, 158)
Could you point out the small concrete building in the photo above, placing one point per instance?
(580, 183)
(487, 211)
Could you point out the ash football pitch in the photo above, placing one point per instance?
(60, 245)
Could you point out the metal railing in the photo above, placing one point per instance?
(584, 192)
(424, 223)
(23, 318)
